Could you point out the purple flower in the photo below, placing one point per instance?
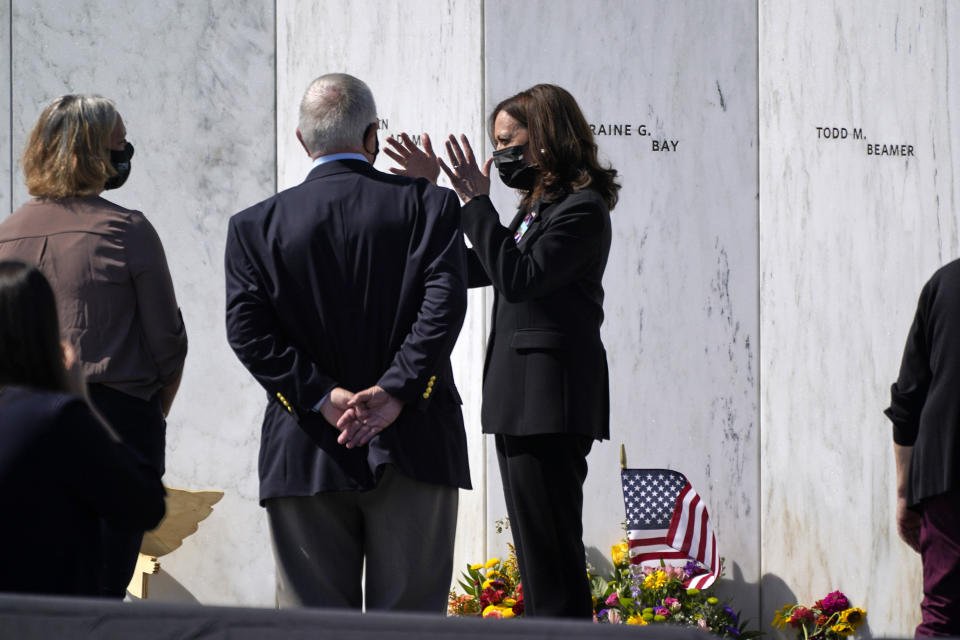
(835, 602)
(733, 631)
(732, 614)
(635, 591)
(691, 568)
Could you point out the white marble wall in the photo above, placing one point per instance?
(847, 239)
(195, 85)
(681, 305)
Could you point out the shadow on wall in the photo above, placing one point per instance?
(743, 597)
(598, 562)
(162, 587)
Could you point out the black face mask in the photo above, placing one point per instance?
(376, 141)
(513, 170)
(120, 159)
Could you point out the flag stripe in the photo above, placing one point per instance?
(675, 521)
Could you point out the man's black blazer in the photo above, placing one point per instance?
(352, 278)
(546, 368)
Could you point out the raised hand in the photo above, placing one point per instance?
(466, 176)
(413, 161)
(369, 412)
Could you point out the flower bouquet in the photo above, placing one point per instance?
(831, 618)
(491, 590)
(656, 595)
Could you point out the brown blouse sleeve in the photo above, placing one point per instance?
(162, 323)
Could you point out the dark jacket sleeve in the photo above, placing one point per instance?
(442, 309)
(909, 393)
(255, 335)
(476, 275)
(105, 473)
(569, 240)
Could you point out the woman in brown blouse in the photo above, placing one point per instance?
(108, 270)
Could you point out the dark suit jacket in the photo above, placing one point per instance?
(352, 278)
(546, 368)
(925, 399)
(60, 472)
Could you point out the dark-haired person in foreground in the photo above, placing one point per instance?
(61, 468)
(925, 411)
(545, 389)
(113, 288)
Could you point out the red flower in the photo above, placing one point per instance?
(835, 602)
(799, 616)
(490, 596)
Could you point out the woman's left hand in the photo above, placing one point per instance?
(466, 177)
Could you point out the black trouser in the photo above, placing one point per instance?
(543, 485)
(141, 425)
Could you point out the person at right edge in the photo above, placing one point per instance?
(545, 385)
(925, 411)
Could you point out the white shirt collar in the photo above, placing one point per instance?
(337, 156)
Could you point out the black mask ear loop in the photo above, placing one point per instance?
(376, 141)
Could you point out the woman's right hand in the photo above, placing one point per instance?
(466, 177)
(76, 381)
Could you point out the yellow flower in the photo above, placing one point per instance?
(492, 562)
(494, 575)
(655, 580)
(485, 585)
(843, 629)
(506, 612)
(509, 602)
(492, 611)
(853, 617)
(781, 617)
(474, 567)
(635, 619)
(620, 553)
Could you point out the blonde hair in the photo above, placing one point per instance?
(67, 154)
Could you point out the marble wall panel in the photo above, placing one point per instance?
(671, 90)
(194, 82)
(847, 239)
(423, 63)
(6, 149)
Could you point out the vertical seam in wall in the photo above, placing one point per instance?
(10, 102)
(483, 299)
(759, 414)
(276, 82)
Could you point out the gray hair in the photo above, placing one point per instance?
(335, 113)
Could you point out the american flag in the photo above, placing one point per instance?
(666, 520)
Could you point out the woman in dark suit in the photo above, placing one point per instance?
(545, 388)
(61, 469)
(113, 288)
